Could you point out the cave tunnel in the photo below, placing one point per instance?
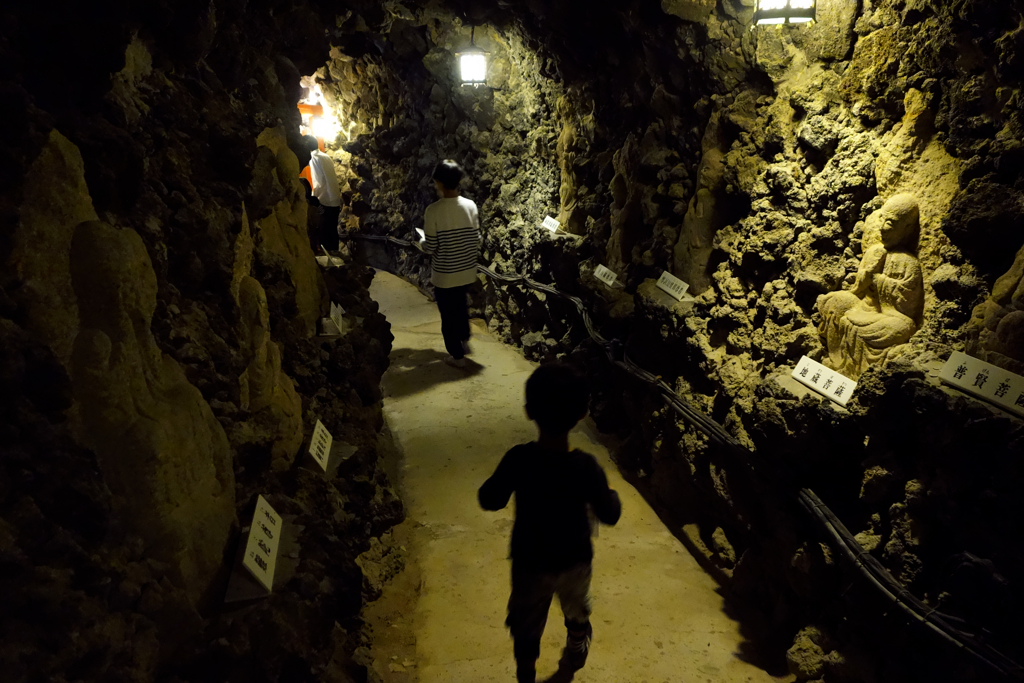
(789, 260)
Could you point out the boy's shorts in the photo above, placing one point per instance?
(532, 591)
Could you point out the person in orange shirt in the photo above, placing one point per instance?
(313, 213)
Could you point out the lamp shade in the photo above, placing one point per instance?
(784, 12)
(472, 65)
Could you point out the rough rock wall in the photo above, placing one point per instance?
(668, 137)
(752, 165)
(407, 92)
(158, 305)
(163, 455)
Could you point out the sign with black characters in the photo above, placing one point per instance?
(672, 285)
(605, 275)
(336, 317)
(986, 381)
(551, 224)
(825, 381)
(264, 537)
(320, 444)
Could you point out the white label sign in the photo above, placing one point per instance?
(264, 538)
(551, 224)
(320, 444)
(985, 381)
(826, 382)
(336, 316)
(673, 285)
(605, 275)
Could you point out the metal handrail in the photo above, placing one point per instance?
(868, 566)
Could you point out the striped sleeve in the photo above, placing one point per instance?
(456, 250)
(430, 230)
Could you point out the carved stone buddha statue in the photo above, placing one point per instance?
(863, 325)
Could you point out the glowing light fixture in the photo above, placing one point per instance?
(472, 63)
(325, 127)
(784, 12)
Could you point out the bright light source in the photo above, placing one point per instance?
(325, 128)
(784, 12)
(473, 67)
(472, 62)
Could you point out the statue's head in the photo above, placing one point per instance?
(898, 219)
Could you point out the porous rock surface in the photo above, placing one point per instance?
(159, 307)
(663, 136)
(749, 164)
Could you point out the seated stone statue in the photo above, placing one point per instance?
(884, 308)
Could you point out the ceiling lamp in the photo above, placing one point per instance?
(472, 63)
(784, 12)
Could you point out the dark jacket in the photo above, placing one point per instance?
(554, 490)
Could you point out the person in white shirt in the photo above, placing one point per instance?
(451, 227)
(325, 189)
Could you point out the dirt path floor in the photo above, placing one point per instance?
(657, 617)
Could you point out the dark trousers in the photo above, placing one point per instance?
(528, 605)
(451, 303)
(328, 227)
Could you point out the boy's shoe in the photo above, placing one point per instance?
(526, 672)
(577, 647)
(455, 362)
(466, 349)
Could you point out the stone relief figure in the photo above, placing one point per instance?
(162, 452)
(265, 390)
(996, 331)
(863, 325)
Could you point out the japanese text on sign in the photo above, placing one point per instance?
(336, 316)
(551, 224)
(672, 285)
(985, 381)
(320, 444)
(826, 382)
(605, 275)
(261, 549)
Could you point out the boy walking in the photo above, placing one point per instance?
(555, 490)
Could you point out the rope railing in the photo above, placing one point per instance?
(866, 564)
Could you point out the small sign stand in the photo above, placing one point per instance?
(606, 275)
(336, 316)
(829, 383)
(320, 445)
(259, 557)
(672, 285)
(551, 224)
(986, 381)
(327, 452)
(334, 326)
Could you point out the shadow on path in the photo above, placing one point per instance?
(659, 619)
(763, 646)
(563, 675)
(416, 370)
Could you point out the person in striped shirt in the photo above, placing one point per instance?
(451, 227)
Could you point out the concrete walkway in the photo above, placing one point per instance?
(657, 617)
